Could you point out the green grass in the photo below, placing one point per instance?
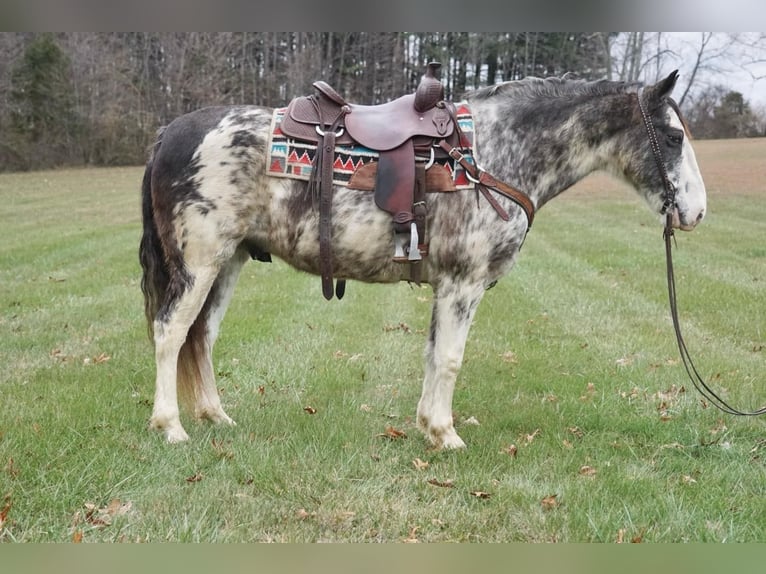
(571, 359)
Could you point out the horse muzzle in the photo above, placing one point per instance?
(683, 221)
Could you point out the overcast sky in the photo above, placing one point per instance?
(732, 69)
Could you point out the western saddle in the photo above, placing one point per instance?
(407, 133)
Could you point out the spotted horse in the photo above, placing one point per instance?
(210, 204)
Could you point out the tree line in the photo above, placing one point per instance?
(85, 98)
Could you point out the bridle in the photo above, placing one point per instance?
(668, 206)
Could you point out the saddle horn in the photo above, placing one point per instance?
(430, 89)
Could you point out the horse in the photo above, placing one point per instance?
(209, 206)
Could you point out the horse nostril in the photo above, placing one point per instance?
(700, 216)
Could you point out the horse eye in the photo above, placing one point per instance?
(675, 137)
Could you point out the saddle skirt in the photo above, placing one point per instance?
(355, 165)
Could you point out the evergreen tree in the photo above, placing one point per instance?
(42, 114)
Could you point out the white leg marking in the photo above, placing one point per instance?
(453, 311)
(169, 337)
(208, 403)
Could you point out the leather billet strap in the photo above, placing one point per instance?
(485, 182)
(323, 169)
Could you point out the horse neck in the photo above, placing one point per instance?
(546, 144)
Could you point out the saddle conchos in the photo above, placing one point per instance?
(408, 136)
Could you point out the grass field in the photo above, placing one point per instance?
(588, 430)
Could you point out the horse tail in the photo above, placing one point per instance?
(156, 276)
(163, 282)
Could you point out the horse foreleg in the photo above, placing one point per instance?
(454, 307)
(207, 402)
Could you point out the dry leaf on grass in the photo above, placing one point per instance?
(550, 502)
(196, 477)
(471, 421)
(5, 510)
(576, 432)
(510, 450)
(392, 433)
(528, 438)
(587, 471)
(441, 483)
(310, 410)
(412, 538)
(420, 464)
(303, 514)
(480, 494)
(101, 517)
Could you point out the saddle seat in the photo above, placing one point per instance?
(393, 129)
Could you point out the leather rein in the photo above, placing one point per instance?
(668, 206)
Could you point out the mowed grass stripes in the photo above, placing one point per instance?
(580, 423)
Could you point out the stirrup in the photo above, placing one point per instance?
(414, 252)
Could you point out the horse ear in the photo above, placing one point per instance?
(657, 93)
(663, 88)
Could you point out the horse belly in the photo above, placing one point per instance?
(362, 234)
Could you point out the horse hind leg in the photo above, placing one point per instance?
(177, 368)
(201, 340)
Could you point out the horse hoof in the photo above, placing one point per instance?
(175, 436)
(174, 433)
(452, 442)
(217, 418)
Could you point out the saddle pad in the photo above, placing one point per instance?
(294, 159)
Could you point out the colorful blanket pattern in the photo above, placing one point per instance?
(294, 159)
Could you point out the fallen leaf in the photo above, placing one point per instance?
(441, 483)
(549, 502)
(510, 450)
(576, 431)
(420, 464)
(196, 477)
(471, 421)
(261, 390)
(530, 437)
(638, 539)
(412, 537)
(5, 510)
(686, 479)
(620, 536)
(101, 517)
(480, 494)
(366, 408)
(587, 471)
(400, 327)
(302, 514)
(310, 410)
(392, 433)
(101, 358)
(77, 537)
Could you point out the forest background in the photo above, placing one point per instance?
(86, 98)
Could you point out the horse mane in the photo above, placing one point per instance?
(564, 86)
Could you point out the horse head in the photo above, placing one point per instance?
(669, 176)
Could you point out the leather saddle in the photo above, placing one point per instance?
(404, 132)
